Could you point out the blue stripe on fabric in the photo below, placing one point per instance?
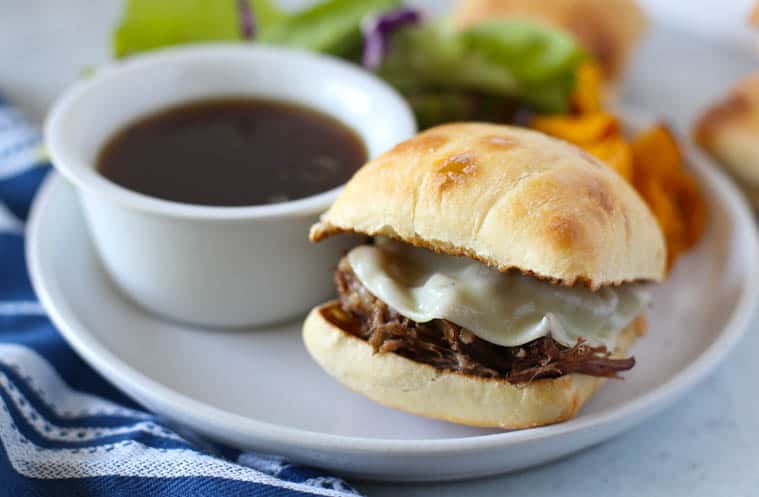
(37, 333)
(28, 431)
(15, 484)
(14, 281)
(97, 421)
(17, 192)
(298, 473)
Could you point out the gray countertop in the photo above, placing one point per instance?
(706, 445)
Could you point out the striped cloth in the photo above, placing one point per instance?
(64, 431)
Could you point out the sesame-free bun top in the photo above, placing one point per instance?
(509, 197)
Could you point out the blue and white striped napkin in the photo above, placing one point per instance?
(64, 431)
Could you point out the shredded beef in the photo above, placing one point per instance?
(448, 346)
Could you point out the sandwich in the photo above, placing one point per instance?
(728, 131)
(500, 275)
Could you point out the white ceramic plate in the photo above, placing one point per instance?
(259, 389)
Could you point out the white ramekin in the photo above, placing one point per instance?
(214, 266)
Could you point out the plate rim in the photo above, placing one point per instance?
(219, 420)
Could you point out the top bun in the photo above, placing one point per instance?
(509, 197)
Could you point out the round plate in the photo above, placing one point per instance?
(258, 389)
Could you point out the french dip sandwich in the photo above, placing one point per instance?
(502, 277)
(728, 131)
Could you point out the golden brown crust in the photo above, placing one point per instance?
(608, 29)
(728, 130)
(509, 197)
(421, 389)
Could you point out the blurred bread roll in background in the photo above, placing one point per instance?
(729, 131)
(607, 29)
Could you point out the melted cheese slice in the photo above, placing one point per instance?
(508, 309)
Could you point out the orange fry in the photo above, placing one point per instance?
(616, 153)
(587, 95)
(672, 194)
(668, 216)
(580, 130)
(656, 152)
(687, 196)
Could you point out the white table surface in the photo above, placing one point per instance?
(707, 445)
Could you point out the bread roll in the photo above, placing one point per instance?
(509, 197)
(729, 131)
(421, 389)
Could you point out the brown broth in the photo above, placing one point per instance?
(232, 152)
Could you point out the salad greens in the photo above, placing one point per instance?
(483, 72)
(509, 59)
(148, 24)
(543, 60)
(330, 27)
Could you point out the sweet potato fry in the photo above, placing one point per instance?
(666, 213)
(672, 194)
(580, 130)
(687, 196)
(588, 93)
(616, 153)
(656, 152)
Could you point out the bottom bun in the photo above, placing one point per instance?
(418, 388)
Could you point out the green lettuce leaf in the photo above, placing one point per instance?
(149, 24)
(331, 27)
(531, 52)
(433, 56)
(510, 59)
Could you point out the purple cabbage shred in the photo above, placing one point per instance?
(377, 30)
(247, 20)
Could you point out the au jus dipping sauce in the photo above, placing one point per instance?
(232, 152)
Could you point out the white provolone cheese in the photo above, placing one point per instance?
(508, 309)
